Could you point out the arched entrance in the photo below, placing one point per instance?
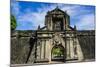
(57, 53)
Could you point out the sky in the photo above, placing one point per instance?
(29, 15)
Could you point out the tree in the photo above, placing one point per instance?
(57, 51)
(13, 23)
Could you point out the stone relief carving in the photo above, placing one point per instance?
(56, 39)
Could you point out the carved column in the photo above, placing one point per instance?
(38, 49)
(64, 23)
(51, 23)
(71, 48)
(42, 50)
(75, 48)
(68, 48)
(79, 51)
(67, 23)
(47, 49)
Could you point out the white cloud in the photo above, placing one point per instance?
(38, 18)
(35, 18)
(86, 22)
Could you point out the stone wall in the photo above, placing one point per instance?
(20, 45)
(87, 43)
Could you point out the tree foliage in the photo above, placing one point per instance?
(57, 51)
(13, 23)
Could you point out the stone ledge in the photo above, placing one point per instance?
(41, 60)
(71, 59)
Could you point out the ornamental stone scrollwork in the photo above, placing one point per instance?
(56, 39)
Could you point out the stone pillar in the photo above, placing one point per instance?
(48, 22)
(42, 50)
(71, 48)
(75, 48)
(49, 50)
(67, 48)
(38, 50)
(51, 24)
(64, 23)
(79, 51)
(67, 22)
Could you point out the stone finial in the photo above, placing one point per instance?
(75, 27)
(57, 7)
(65, 11)
(38, 27)
(48, 12)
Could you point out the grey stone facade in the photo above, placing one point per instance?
(36, 46)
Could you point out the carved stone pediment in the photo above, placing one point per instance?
(57, 11)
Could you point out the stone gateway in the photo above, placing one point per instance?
(57, 41)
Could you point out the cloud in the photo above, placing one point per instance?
(15, 7)
(36, 18)
(86, 22)
(31, 19)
